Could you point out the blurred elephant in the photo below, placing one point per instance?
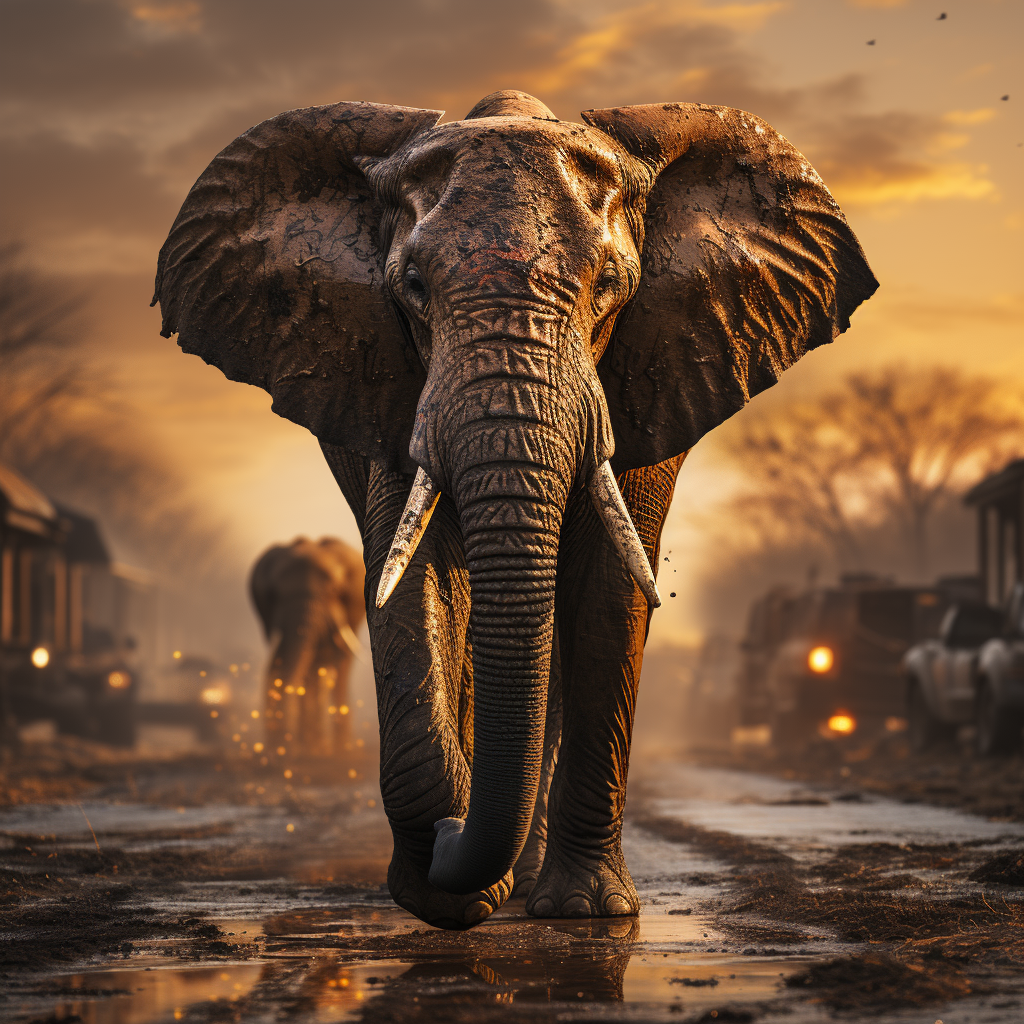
(506, 332)
(309, 596)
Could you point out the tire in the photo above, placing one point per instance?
(998, 729)
(924, 730)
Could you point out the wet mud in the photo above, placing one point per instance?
(184, 891)
(952, 775)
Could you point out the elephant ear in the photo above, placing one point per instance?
(272, 272)
(747, 264)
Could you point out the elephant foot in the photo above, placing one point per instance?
(524, 883)
(575, 887)
(526, 869)
(410, 889)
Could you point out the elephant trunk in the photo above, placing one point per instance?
(511, 419)
(298, 642)
(511, 553)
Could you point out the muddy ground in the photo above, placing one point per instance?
(950, 776)
(210, 888)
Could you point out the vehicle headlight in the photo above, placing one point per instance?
(842, 724)
(40, 657)
(214, 695)
(119, 680)
(821, 659)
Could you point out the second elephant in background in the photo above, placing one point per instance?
(309, 596)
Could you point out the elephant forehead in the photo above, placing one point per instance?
(565, 161)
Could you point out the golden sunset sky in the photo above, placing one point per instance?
(112, 108)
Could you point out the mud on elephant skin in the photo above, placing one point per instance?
(512, 328)
(309, 598)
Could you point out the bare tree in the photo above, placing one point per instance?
(891, 444)
(64, 426)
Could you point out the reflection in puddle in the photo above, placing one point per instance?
(347, 921)
(141, 997)
(398, 990)
(659, 960)
(389, 989)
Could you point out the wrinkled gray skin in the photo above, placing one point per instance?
(506, 302)
(309, 597)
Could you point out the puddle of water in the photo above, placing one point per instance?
(701, 984)
(240, 929)
(340, 991)
(349, 921)
(142, 997)
(72, 821)
(626, 980)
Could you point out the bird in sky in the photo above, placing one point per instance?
(941, 17)
(1006, 97)
(871, 42)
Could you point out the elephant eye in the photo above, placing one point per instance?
(607, 284)
(415, 286)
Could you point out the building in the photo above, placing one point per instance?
(999, 499)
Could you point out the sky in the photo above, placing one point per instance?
(110, 109)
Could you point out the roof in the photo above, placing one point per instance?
(24, 506)
(84, 541)
(1004, 484)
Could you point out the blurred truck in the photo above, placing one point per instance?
(972, 673)
(73, 623)
(827, 661)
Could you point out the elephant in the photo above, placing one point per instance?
(506, 333)
(309, 597)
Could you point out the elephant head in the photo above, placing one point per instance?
(512, 306)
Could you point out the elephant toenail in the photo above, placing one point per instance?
(544, 907)
(476, 912)
(615, 905)
(577, 906)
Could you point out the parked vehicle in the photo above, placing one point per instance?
(827, 662)
(973, 672)
(72, 621)
(197, 693)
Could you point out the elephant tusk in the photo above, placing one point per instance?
(418, 510)
(351, 641)
(613, 512)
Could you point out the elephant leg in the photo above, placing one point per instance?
(527, 867)
(418, 641)
(603, 623)
(341, 717)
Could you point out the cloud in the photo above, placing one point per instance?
(929, 314)
(185, 16)
(109, 123)
(881, 159)
(969, 117)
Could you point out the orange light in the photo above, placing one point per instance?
(118, 680)
(821, 659)
(842, 724)
(40, 657)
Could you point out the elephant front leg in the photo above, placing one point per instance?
(418, 640)
(603, 622)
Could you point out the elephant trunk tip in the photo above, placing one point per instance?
(451, 869)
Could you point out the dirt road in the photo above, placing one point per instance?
(180, 891)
